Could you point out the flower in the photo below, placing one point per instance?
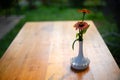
(84, 11)
(81, 25)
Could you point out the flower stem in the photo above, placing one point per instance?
(80, 35)
(74, 43)
(83, 16)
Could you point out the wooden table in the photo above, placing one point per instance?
(42, 51)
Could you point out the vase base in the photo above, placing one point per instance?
(80, 64)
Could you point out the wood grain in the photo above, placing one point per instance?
(42, 51)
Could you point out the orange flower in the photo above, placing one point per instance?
(81, 25)
(84, 11)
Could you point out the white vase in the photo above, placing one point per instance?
(80, 62)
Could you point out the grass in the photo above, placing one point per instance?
(43, 13)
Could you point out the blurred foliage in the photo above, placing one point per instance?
(6, 5)
(93, 3)
(113, 6)
(57, 3)
(76, 3)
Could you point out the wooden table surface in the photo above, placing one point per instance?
(42, 51)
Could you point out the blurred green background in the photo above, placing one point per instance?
(104, 13)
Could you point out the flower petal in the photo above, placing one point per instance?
(84, 10)
(81, 25)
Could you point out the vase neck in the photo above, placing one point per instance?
(80, 54)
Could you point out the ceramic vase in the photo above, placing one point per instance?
(80, 62)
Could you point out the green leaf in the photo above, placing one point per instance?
(84, 31)
(74, 43)
(77, 35)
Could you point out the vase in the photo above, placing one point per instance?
(80, 62)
